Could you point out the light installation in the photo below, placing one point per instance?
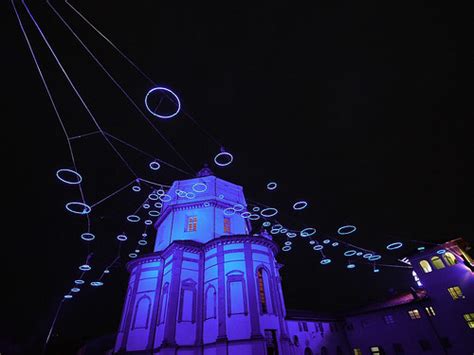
(79, 282)
(96, 283)
(87, 236)
(223, 158)
(269, 212)
(318, 247)
(121, 237)
(77, 178)
(351, 266)
(441, 251)
(199, 187)
(85, 267)
(344, 230)
(350, 253)
(300, 205)
(272, 185)
(325, 261)
(78, 207)
(394, 246)
(136, 188)
(307, 232)
(133, 218)
(154, 165)
(166, 90)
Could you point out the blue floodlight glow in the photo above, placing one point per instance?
(136, 188)
(326, 241)
(307, 232)
(154, 213)
(286, 248)
(87, 236)
(318, 247)
(165, 198)
(178, 102)
(359, 253)
(351, 266)
(350, 253)
(441, 251)
(394, 246)
(75, 289)
(335, 244)
(325, 261)
(153, 196)
(148, 222)
(76, 181)
(272, 185)
(154, 165)
(269, 212)
(199, 187)
(300, 205)
(96, 283)
(256, 209)
(132, 255)
(121, 237)
(238, 207)
(142, 242)
(367, 255)
(85, 267)
(266, 224)
(344, 230)
(78, 282)
(229, 211)
(291, 235)
(375, 257)
(146, 206)
(67, 296)
(254, 217)
(223, 158)
(288, 243)
(158, 204)
(190, 195)
(133, 218)
(245, 214)
(73, 207)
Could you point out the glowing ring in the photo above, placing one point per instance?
(132, 255)
(221, 196)
(96, 283)
(238, 207)
(367, 255)
(277, 226)
(165, 198)
(350, 253)
(254, 217)
(148, 222)
(182, 194)
(256, 209)
(325, 261)
(78, 176)
(229, 211)
(86, 209)
(300, 205)
(286, 248)
(359, 253)
(154, 165)
(67, 296)
(335, 244)
(75, 289)
(78, 282)
(160, 192)
(283, 230)
(394, 246)
(196, 187)
(318, 247)
(121, 237)
(158, 204)
(288, 243)
(153, 196)
(376, 270)
(137, 251)
(351, 266)
(146, 206)
(106, 271)
(266, 224)
(342, 230)
(272, 185)
(136, 188)
(441, 251)
(133, 218)
(269, 212)
(142, 242)
(326, 241)
(190, 195)
(85, 267)
(245, 214)
(274, 231)
(307, 232)
(87, 237)
(291, 235)
(169, 91)
(223, 154)
(153, 213)
(375, 257)
(312, 242)
(144, 235)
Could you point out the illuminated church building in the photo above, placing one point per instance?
(210, 287)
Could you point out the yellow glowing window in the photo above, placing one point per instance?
(469, 318)
(455, 292)
(425, 266)
(430, 310)
(437, 262)
(261, 291)
(375, 350)
(357, 351)
(226, 225)
(191, 225)
(414, 314)
(449, 258)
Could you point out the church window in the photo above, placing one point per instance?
(437, 262)
(187, 301)
(455, 292)
(430, 310)
(142, 313)
(191, 224)
(414, 314)
(469, 318)
(449, 258)
(263, 287)
(236, 294)
(226, 225)
(210, 302)
(357, 351)
(425, 266)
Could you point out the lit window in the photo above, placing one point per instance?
(414, 314)
(449, 258)
(376, 350)
(416, 278)
(431, 312)
(455, 292)
(226, 225)
(469, 318)
(425, 266)
(191, 225)
(437, 262)
(357, 351)
(261, 291)
(388, 319)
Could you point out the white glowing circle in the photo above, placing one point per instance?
(96, 283)
(269, 212)
(318, 247)
(67, 296)
(245, 214)
(283, 230)
(160, 192)
(153, 213)
(238, 207)
(272, 185)
(87, 236)
(274, 231)
(165, 198)
(256, 209)
(142, 242)
(137, 250)
(148, 222)
(158, 204)
(367, 255)
(78, 207)
(344, 230)
(335, 244)
(307, 232)
(350, 253)
(136, 188)
(291, 235)
(325, 261)
(300, 205)
(359, 253)
(199, 187)
(153, 196)
(223, 159)
(78, 282)
(375, 257)
(221, 196)
(144, 235)
(75, 289)
(77, 177)
(266, 224)
(288, 243)
(176, 98)
(146, 206)
(133, 218)
(154, 165)
(286, 248)
(121, 237)
(229, 211)
(394, 246)
(85, 267)
(206, 204)
(277, 226)
(326, 241)
(132, 255)
(254, 217)
(106, 271)
(182, 194)
(312, 242)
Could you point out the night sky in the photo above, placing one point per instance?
(355, 108)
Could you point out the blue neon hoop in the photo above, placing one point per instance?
(350, 253)
(375, 257)
(394, 246)
(148, 222)
(153, 213)
(75, 289)
(154, 165)
(325, 261)
(291, 235)
(158, 204)
(142, 242)
(269, 212)
(266, 224)
(272, 185)
(351, 266)
(121, 237)
(69, 182)
(96, 283)
(229, 211)
(256, 209)
(68, 296)
(146, 206)
(335, 244)
(136, 188)
(288, 243)
(190, 195)
(169, 91)
(133, 218)
(307, 232)
(153, 196)
(238, 207)
(318, 247)
(78, 282)
(87, 236)
(254, 217)
(225, 154)
(286, 248)
(300, 205)
(132, 255)
(85, 267)
(326, 241)
(342, 230)
(359, 253)
(245, 214)
(165, 198)
(85, 208)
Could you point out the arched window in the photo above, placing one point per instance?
(236, 293)
(449, 258)
(296, 341)
(187, 303)
(210, 302)
(437, 262)
(308, 351)
(264, 295)
(142, 313)
(425, 266)
(164, 302)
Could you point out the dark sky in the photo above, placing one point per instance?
(356, 108)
